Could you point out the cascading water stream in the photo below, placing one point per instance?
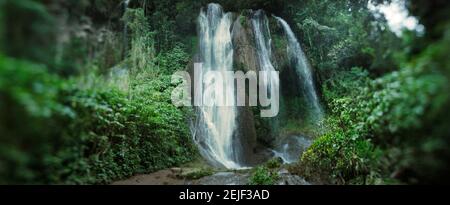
(215, 128)
(302, 67)
(263, 43)
(216, 125)
(291, 147)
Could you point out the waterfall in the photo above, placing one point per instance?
(263, 43)
(303, 69)
(290, 148)
(215, 125)
(215, 129)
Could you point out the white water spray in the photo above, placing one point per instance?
(216, 125)
(303, 69)
(264, 50)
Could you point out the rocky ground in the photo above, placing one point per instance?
(204, 175)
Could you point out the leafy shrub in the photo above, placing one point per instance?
(53, 131)
(172, 60)
(345, 83)
(341, 157)
(274, 163)
(263, 176)
(400, 109)
(142, 51)
(28, 100)
(28, 32)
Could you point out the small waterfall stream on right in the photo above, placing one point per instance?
(289, 148)
(303, 69)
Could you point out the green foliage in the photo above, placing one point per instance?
(83, 130)
(27, 22)
(339, 36)
(403, 109)
(173, 60)
(2, 27)
(301, 127)
(186, 16)
(142, 52)
(274, 163)
(341, 156)
(242, 20)
(136, 20)
(263, 176)
(345, 83)
(27, 104)
(199, 174)
(165, 30)
(279, 42)
(266, 174)
(56, 132)
(102, 9)
(65, 41)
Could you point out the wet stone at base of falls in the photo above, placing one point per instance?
(225, 178)
(290, 148)
(236, 178)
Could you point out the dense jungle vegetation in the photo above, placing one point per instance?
(85, 88)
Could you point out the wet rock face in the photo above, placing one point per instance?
(225, 178)
(245, 57)
(286, 178)
(245, 54)
(246, 134)
(279, 46)
(243, 178)
(254, 131)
